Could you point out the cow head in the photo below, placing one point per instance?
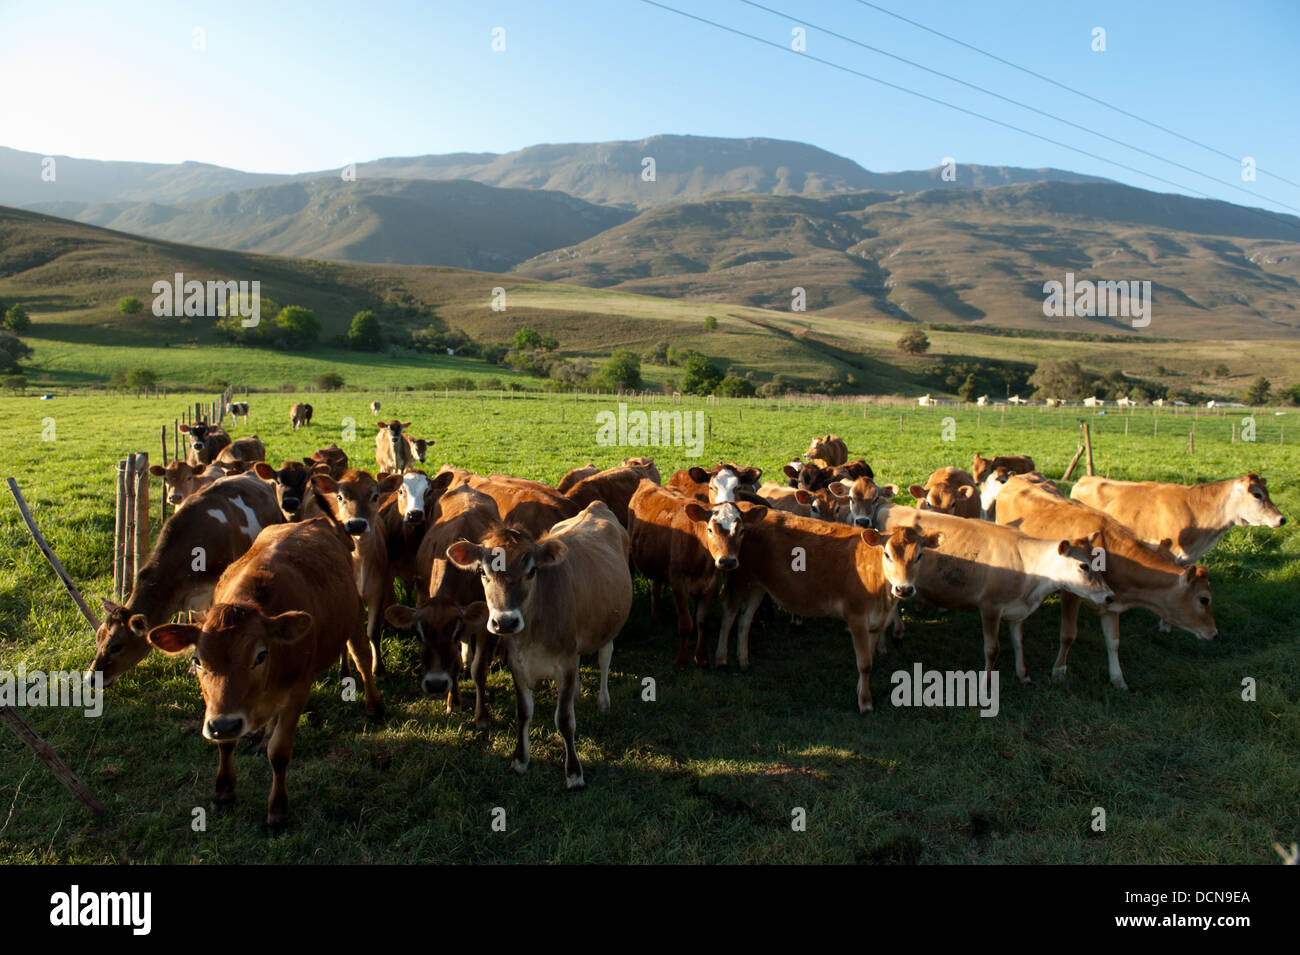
(819, 448)
(980, 468)
(791, 472)
(1074, 569)
(942, 496)
(418, 493)
(290, 485)
(1251, 505)
(419, 448)
(989, 489)
(198, 435)
(238, 653)
(853, 471)
(181, 479)
(440, 627)
(394, 428)
(863, 497)
(725, 529)
(354, 498)
(725, 480)
(644, 464)
(826, 505)
(902, 551)
(120, 642)
(508, 563)
(1189, 605)
(334, 459)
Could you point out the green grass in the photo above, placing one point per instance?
(710, 771)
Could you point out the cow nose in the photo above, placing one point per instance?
(225, 727)
(1281, 521)
(904, 590)
(290, 504)
(727, 563)
(435, 683)
(506, 622)
(414, 517)
(1213, 636)
(863, 521)
(356, 528)
(1110, 598)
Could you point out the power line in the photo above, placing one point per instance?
(1254, 194)
(952, 106)
(1071, 89)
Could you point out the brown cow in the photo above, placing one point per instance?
(574, 475)
(281, 616)
(827, 452)
(820, 569)
(181, 480)
(1011, 463)
(948, 491)
(353, 500)
(726, 482)
(451, 608)
(614, 486)
(205, 444)
(811, 477)
(1186, 520)
(392, 451)
(789, 499)
(248, 449)
(293, 492)
(374, 407)
(677, 541)
(552, 599)
(1139, 575)
(863, 497)
(417, 448)
(333, 460)
(206, 535)
(300, 415)
(532, 505)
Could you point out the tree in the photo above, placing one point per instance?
(1061, 379)
(329, 381)
(12, 350)
(129, 305)
(968, 388)
(16, 320)
(296, 327)
(1221, 370)
(1258, 392)
(733, 386)
(1292, 394)
(364, 334)
(914, 342)
(15, 383)
(527, 338)
(710, 323)
(700, 376)
(657, 355)
(140, 379)
(622, 371)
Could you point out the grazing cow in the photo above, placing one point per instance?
(247, 450)
(864, 497)
(999, 571)
(353, 500)
(553, 599)
(1139, 575)
(677, 541)
(392, 451)
(451, 610)
(532, 505)
(948, 491)
(300, 415)
(1186, 520)
(181, 480)
(726, 482)
(215, 526)
(827, 452)
(374, 407)
(281, 616)
(333, 460)
(205, 443)
(614, 486)
(574, 475)
(238, 409)
(837, 571)
(1011, 463)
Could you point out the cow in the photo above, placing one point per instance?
(999, 571)
(405, 515)
(989, 488)
(792, 500)
(812, 477)
(553, 599)
(416, 448)
(726, 482)
(574, 475)
(678, 541)
(1139, 575)
(300, 415)
(213, 528)
(863, 497)
(333, 460)
(532, 505)
(451, 609)
(948, 491)
(353, 500)
(1186, 520)
(180, 480)
(614, 486)
(392, 451)
(237, 409)
(293, 492)
(248, 450)
(205, 443)
(374, 407)
(1011, 463)
(281, 616)
(827, 452)
(846, 572)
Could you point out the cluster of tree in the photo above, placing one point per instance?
(1001, 332)
(292, 327)
(970, 378)
(12, 350)
(132, 379)
(1067, 379)
(14, 318)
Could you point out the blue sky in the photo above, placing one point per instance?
(294, 86)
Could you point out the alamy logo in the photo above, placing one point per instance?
(75, 907)
(19, 688)
(946, 688)
(1088, 299)
(195, 299)
(656, 429)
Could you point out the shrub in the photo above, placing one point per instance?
(16, 320)
(129, 305)
(914, 342)
(700, 376)
(710, 323)
(461, 383)
(364, 334)
(733, 386)
(329, 381)
(296, 327)
(621, 372)
(1259, 391)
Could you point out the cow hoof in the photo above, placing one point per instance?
(864, 709)
(575, 782)
(1026, 679)
(376, 714)
(221, 806)
(602, 704)
(1119, 684)
(518, 766)
(276, 827)
(453, 708)
(1058, 674)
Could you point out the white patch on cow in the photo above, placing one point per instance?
(217, 515)
(727, 517)
(415, 485)
(724, 485)
(989, 495)
(252, 527)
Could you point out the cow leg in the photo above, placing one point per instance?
(374, 630)
(753, 599)
(864, 642)
(703, 604)
(278, 751)
(224, 797)
(360, 651)
(566, 689)
(1110, 630)
(1069, 631)
(656, 599)
(1016, 628)
(606, 652)
(685, 628)
(485, 644)
(453, 685)
(732, 598)
(992, 619)
(524, 717)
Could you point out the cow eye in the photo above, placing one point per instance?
(482, 572)
(260, 658)
(1083, 565)
(340, 495)
(1205, 601)
(532, 572)
(115, 647)
(198, 664)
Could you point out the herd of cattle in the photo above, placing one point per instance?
(295, 567)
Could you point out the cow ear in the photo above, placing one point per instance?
(264, 471)
(440, 481)
(324, 483)
(791, 472)
(108, 605)
(699, 475)
(917, 492)
(889, 490)
(157, 470)
(389, 483)
(310, 462)
(476, 614)
(291, 626)
(1063, 547)
(932, 540)
(406, 424)
(549, 552)
(698, 513)
(966, 491)
(465, 555)
(754, 513)
(381, 426)
(174, 637)
(750, 475)
(872, 537)
(838, 488)
(803, 497)
(400, 616)
(185, 429)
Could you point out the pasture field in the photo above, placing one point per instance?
(714, 767)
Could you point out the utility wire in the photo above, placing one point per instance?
(953, 106)
(1254, 194)
(1071, 89)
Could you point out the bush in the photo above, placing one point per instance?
(12, 350)
(140, 379)
(710, 323)
(461, 383)
(1259, 391)
(329, 381)
(733, 386)
(364, 334)
(657, 355)
(14, 383)
(16, 320)
(130, 305)
(700, 376)
(492, 384)
(914, 342)
(295, 327)
(621, 372)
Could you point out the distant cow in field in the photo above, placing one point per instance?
(417, 448)
(827, 452)
(238, 409)
(247, 450)
(300, 415)
(282, 615)
(205, 443)
(552, 599)
(392, 451)
(374, 407)
(205, 536)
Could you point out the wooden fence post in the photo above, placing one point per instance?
(141, 512)
(119, 530)
(45, 548)
(70, 780)
(128, 540)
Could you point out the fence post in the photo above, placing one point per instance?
(119, 530)
(128, 541)
(141, 512)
